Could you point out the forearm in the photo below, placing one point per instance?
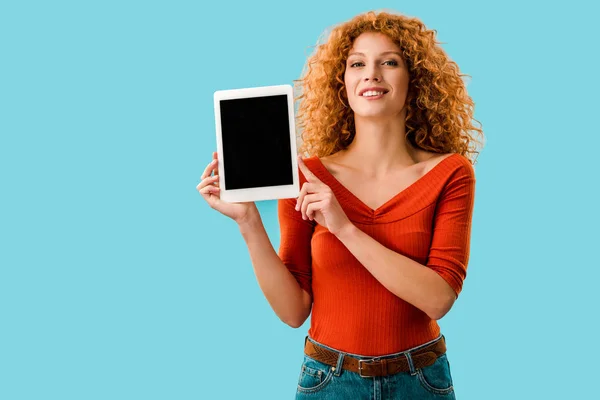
(404, 277)
(291, 304)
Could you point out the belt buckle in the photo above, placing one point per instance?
(373, 360)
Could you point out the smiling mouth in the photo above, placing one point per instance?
(373, 93)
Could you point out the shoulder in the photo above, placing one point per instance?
(331, 163)
(454, 164)
(459, 178)
(464, 167)
(313, 163)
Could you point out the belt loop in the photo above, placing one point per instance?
(340, 364)
(410, 363)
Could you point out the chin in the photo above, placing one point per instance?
(374, 113)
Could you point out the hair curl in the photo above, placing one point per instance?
(439, 114)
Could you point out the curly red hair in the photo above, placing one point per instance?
(439, 114)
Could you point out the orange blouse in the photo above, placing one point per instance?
(429, 222)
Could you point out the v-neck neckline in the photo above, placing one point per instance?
(373, 211)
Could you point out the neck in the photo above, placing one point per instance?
(380, 146)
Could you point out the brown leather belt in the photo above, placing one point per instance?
(376, 366)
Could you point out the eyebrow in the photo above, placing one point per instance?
(384, 53)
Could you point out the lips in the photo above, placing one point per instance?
(373, 89)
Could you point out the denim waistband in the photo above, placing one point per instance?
(360, 356)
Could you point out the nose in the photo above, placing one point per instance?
(372, 74)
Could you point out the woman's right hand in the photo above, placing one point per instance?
(209, 189)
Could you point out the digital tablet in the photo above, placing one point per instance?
(256, 144)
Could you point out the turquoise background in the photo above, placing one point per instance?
(119, 282)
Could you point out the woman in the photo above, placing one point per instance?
(377, 243)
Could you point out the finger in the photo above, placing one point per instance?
(311, 187)
(207, 182)
(206, 190)
(307, 173)
(301, 196)
(208, 169)
(307, 188)
(299, 199)
(211, 194)
(216, 168)
(216, 157)
(313, 208)
(308, 200)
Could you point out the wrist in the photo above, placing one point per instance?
(249, 221)
(347, 231)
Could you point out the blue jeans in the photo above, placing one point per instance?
(321, 381)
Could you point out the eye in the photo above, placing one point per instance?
(393, 62)
(355, 63)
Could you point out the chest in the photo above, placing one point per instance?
(410, 236)
(376, 192)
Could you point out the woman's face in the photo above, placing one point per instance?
(375, 61)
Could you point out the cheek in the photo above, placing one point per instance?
(403, 81)
(350, 83)
(401, 86)
(347, 84)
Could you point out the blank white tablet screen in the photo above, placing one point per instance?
(256, 142)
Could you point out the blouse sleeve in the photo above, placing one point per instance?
(449, 252)
(295, 242)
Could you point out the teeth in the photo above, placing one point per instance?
(371, 93)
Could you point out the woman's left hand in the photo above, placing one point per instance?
(317, 201)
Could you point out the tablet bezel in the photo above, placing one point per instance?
(262, 193)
